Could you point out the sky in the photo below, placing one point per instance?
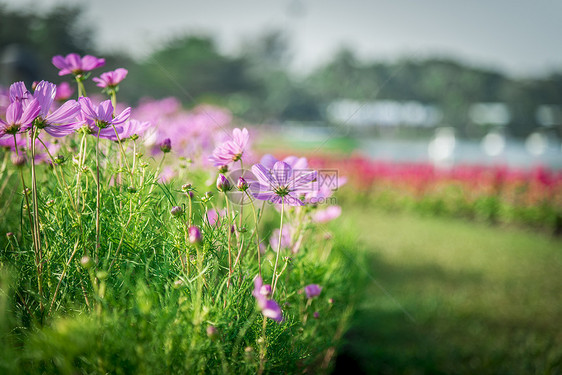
(521, 38)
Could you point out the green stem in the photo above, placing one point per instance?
(275, 277)
(31, 225)
(37, 240)
(256, 231)
(98, 196)
(229, 235)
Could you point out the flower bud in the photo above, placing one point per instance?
(9, 235)
(19, 160)
(209, 194)
(166, 145)
(212, 332)
(86, 262)
(223, 169)
(176, 211)
(178, 283)
(60, 159)
(189, 194)
(186, 187)
(223, 185)
(242, 185)
(195, 235)
(132, 189)
(316, 315)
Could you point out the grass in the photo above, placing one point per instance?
(452, 297)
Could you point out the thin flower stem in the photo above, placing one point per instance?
(31, 225)
(37, 240)
(275, 277)
(229, 235)
(98, 196)
(81, 88)
(263, 347)
(256, 231)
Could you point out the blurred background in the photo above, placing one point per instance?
(424, 82)
(433, 110)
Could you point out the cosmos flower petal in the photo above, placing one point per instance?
(18, 92)
(45, 93)
(268, 161)
(29, 113)
(62, 130)
(263, 175)
(64, 114)
(87, 108)
(124, 116)
(282, 172)
(14, 112)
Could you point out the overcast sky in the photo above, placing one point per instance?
(521, 37)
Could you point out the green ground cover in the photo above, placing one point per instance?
(448, 296)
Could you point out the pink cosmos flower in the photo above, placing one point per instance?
(75, 64)
(19, 116)
(312, 290)
(60, 122)
(280, 184)
(64, 92)
(269, 308)
(111, 79)
(232, 150)
(327, 214)
(101, 117)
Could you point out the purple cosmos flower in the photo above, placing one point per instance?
(269, 308)
(60, 122)
(232, 150)
(19, 117)
(111, 79)
(312, 290)
(295, 162)
(75, 64)
(18, 92)
(101, 117)
(327, 214)
(280, 184)
(64, 92)
(130, 128)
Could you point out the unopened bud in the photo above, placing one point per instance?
(223, 169)
(176, 211)
(195, 235)
(19, 160)
(86, 262)
(186, 187)
(60, 159)
(223, 185)
(9, 235)
(212, 332)
(316, 315)
(242, 185)
(166, 145)
(132, 189)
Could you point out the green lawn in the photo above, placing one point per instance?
(448, 296)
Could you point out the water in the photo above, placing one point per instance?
(515, 153)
